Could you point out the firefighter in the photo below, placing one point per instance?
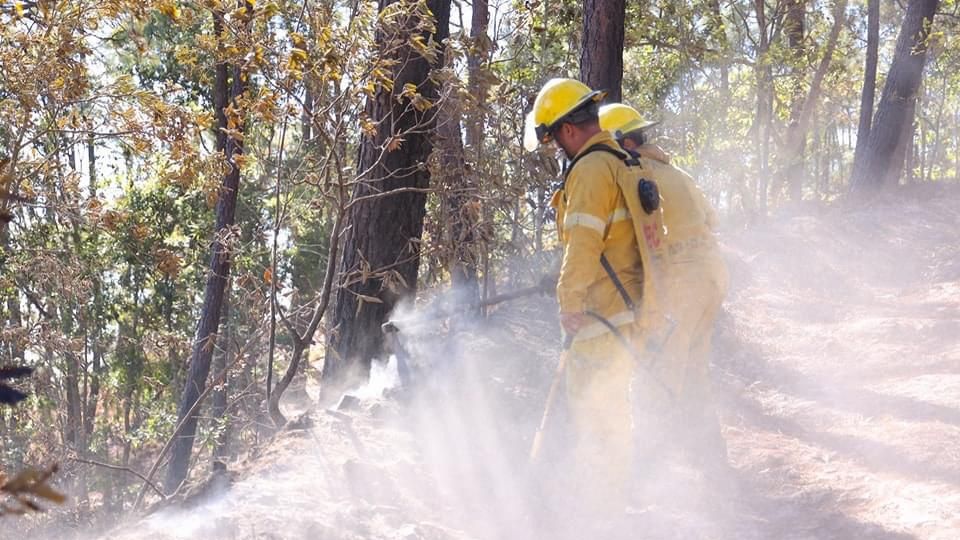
(601, 280)
(696, 281)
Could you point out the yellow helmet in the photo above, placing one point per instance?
(557, 100)
(620, 119)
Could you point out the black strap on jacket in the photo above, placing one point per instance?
(617, 283)
(627, 157)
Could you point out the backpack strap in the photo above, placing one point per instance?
(631, 160)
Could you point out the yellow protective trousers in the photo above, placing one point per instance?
(599, 372)
(696, 285)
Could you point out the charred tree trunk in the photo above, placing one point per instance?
(601, 60)
(878, 166)
(381, 253)
(219, 272)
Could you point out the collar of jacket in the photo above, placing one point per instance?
(604, 137)
(654, 152)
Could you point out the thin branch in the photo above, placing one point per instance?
(134, 472)
(389, 193)
(304, 341)
(32, 297)
(218, 380)
(294, 334)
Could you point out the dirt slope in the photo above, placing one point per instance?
(841, 368)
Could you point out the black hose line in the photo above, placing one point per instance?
(626, 345)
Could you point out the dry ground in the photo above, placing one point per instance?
(840, 358)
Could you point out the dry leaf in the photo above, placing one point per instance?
(393, 143)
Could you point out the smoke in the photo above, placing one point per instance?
(836, 363)
(443, 457)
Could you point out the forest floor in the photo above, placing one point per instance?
(838, 368)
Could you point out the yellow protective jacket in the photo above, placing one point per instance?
(695, 285)
(688, 217)
(594, 219)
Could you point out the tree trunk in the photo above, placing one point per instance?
(12, 349)
(381, 254)
(869, 79)
(479, 50)
(96, 312)
(878, 166)
(938, 143)
(601, 59)
(762, 122)
(74, 423)
(306, 118)
(718, 33)
(796, 137)
(794, 28)
(462, 211)
(218, 274)
(462, 203)
(539, 209)
(906, 150)
(922, 140)
(794, 147)
(817, 151)
(218, 400)
(829, 146)
(956, 145)
(467, 206)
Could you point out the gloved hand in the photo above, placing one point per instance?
(573, 322)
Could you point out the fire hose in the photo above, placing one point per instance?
(558, 375)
